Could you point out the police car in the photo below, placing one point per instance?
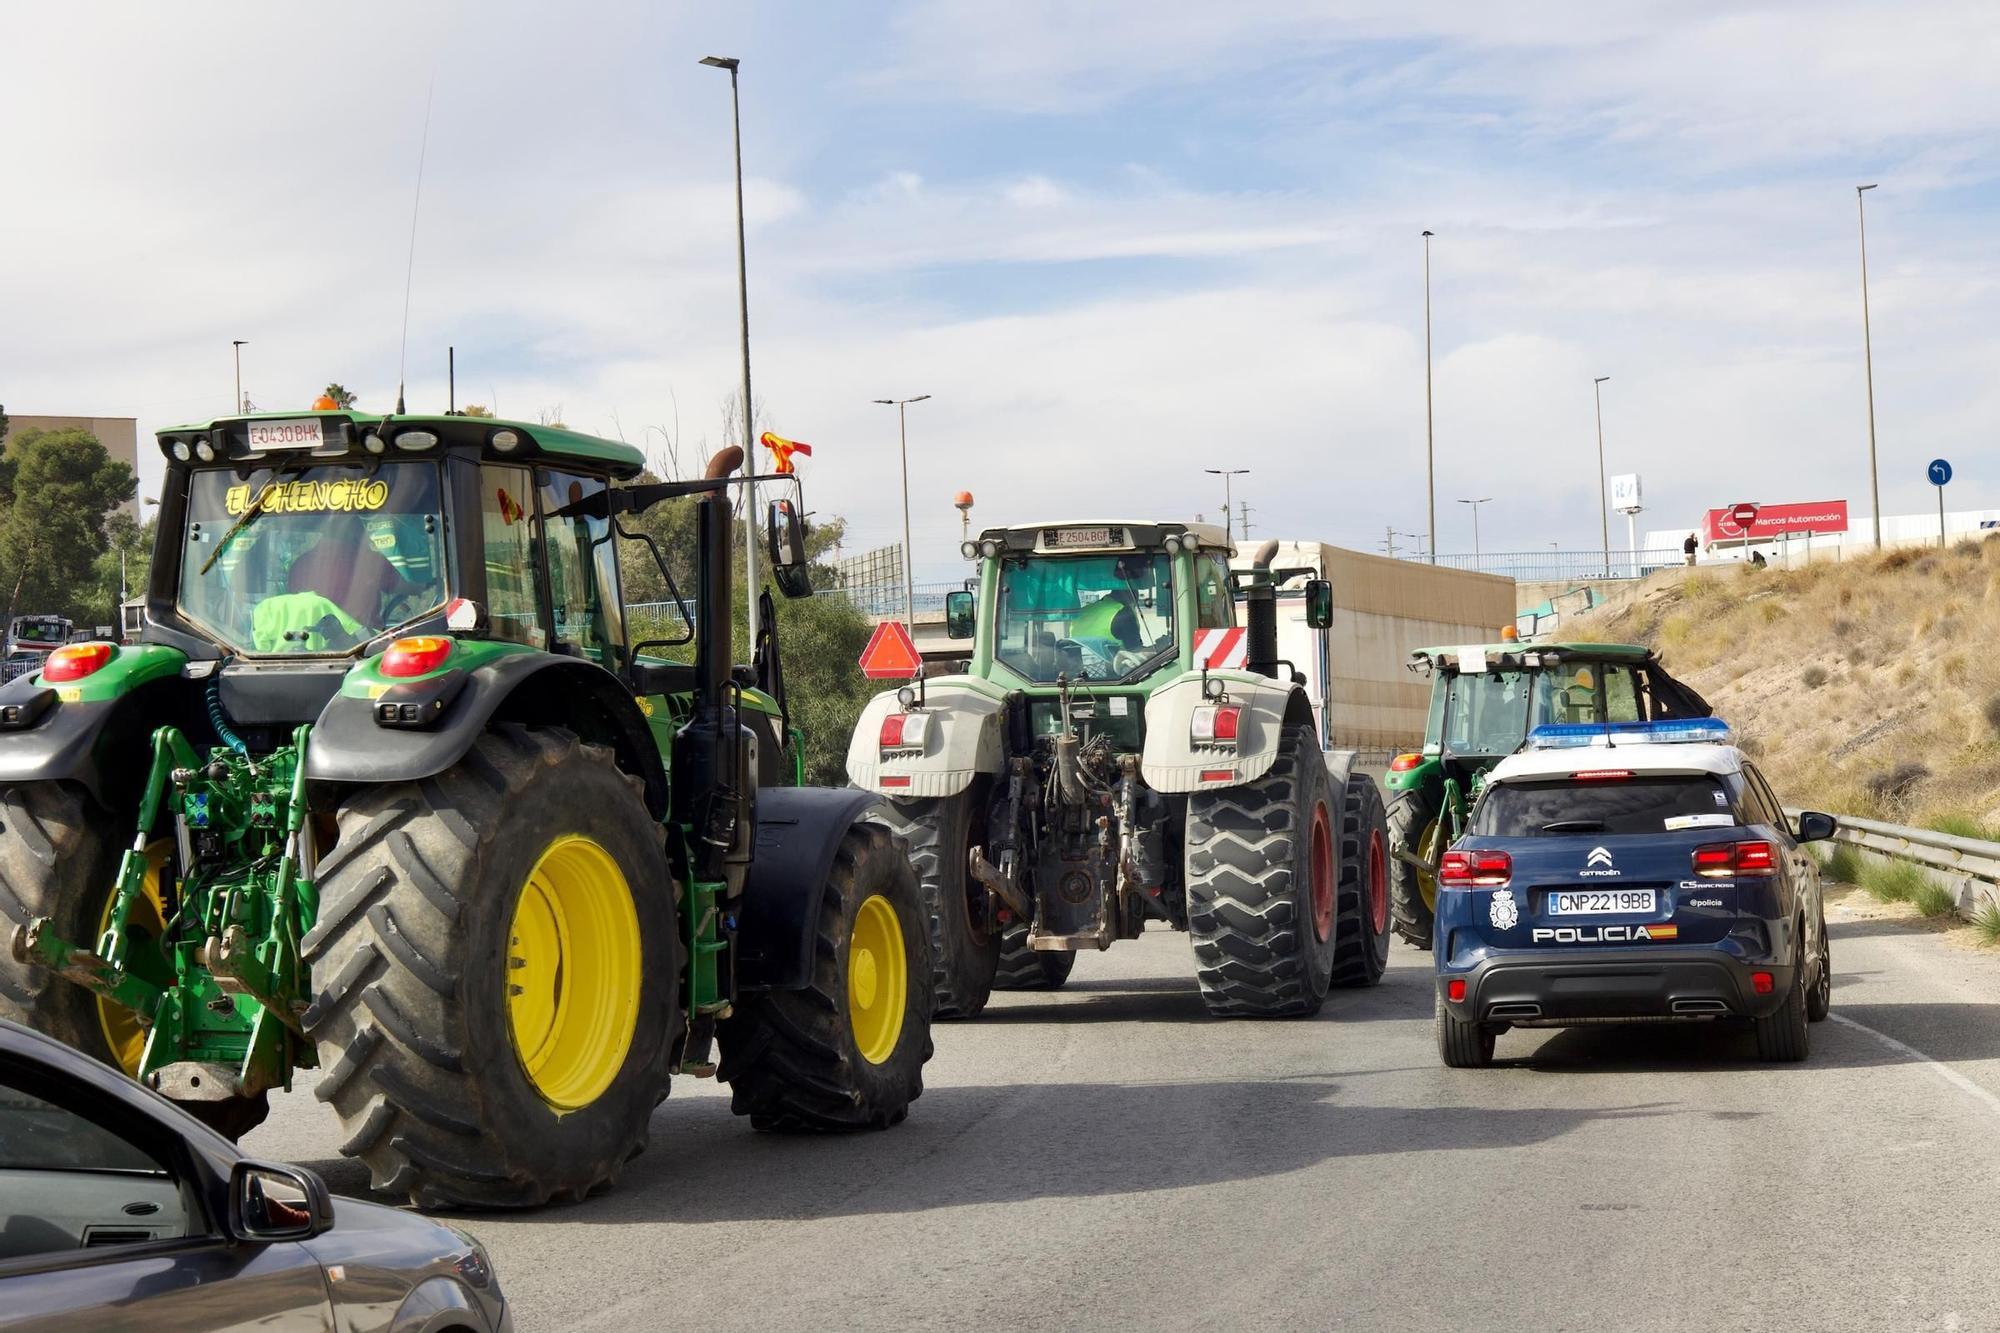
(1636, 872)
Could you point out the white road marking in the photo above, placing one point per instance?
(1942, 1070)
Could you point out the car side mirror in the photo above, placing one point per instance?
(958, 615)
(1816, 827)
(271, 1201)
(786, 538)
(1319, 604)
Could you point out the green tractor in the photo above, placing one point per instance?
(1485, 699)
(1121, 751)
(389, 790)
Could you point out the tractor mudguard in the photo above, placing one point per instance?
(968, 721)
(540, 689)
(89, 731)
(798, 832)
(1173, 762)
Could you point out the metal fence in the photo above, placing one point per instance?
(1969, 867)
(1554, 566)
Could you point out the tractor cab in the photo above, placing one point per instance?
(1485, 700)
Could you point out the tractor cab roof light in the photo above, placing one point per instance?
(416, 439)
(1680, 730)
(180, 450)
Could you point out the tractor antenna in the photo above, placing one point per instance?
(410, 269)
(450, 380)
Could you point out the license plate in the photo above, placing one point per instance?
(1603, 902)
(302, 434)
(1082, 537)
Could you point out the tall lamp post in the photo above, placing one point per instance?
(1430, 442)
(751, 524)
(1868, 362)
(1603, 500)
(909, 557)
(1484, 499)
(236, 345)
(1228, 525)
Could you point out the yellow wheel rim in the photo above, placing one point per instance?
(574, 962)
(878, 980)
(122, 1032)
(1427, 849)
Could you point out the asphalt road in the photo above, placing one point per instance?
(1108, 1157)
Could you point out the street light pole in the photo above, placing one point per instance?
(1603, 498)
(909, 557)
(236, 344)
(1868, 361)
(1430, 441)
(750, 519)
(1228, 526)
(1484, 499)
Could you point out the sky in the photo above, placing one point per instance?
(1118, 243)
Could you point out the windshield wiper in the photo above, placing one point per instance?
(256, 508)
(1575, 826)
(1149, 666)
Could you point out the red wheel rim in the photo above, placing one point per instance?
(1378, 882)
(1322, 874)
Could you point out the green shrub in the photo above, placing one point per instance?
(1963, 826)
(1987, 920)
(1893, 881)
(1840, 863)
(1934, 899)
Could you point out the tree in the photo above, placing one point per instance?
(475, 410)
(3, 425)
(64, 487)
(126, 563)
(342, 399)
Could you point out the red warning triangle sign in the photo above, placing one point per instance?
(890, 655)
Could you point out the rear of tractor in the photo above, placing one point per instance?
(1117, 752)
(389, 790)
(1485, 698)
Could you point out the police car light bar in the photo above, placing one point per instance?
(1681, 730)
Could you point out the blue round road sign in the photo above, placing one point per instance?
(1940, 472)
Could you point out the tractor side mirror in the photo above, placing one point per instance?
(958, 614)
(787, 542)
(1319, 604)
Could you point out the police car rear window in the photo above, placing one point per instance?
(1616, 805)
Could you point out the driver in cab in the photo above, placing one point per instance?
(341, 577)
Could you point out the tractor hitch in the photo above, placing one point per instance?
(35, 945)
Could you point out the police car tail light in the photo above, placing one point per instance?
(1455, 990)
(1215, 724)
(905, 731)
(1602, 774)
(1480, 869)
(1733, 860)
(1761, 982)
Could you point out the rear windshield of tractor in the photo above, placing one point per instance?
(1490, 712)
(315, 559)
(1602, 805)
(1101, 617)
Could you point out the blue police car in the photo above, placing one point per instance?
(1633, 873)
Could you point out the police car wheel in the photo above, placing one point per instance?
(1819, 1002)
(1462, 1045)
(1783, 1036)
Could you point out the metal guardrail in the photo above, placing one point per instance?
(1970, 867)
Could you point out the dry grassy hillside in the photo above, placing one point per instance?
(1870, 687)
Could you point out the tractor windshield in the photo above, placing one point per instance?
(315, 559)
(1100, 617)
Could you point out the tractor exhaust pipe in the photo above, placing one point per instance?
(714, 653)
(1260, 614)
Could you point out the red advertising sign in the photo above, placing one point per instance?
(1773, 521)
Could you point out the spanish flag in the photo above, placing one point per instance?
(782, 450)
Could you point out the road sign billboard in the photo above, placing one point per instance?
(1625, 493)
(1773, 521)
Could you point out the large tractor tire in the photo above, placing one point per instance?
(1262, 886)
(495, 975)
(848, 1051)
(1413, 828)
(59, 860)
(1022, 968)
(963, 952)
(1361, 925)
